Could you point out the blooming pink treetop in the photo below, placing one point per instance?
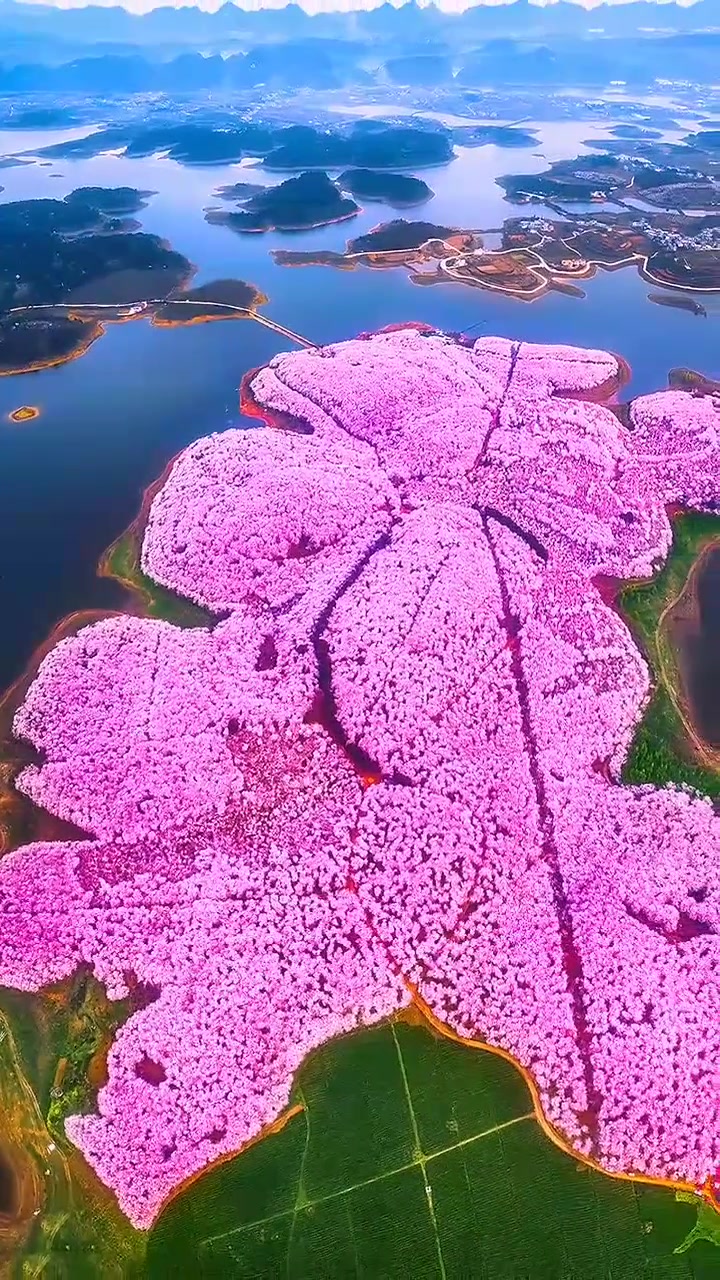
(405, 598)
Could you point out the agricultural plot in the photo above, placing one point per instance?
(415, 1156)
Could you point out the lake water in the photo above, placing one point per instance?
(72, 480)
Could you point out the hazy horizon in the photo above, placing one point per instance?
(312, 7)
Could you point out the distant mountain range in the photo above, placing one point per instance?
(98, 49)
(96, 24)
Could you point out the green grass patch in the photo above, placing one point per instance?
(123, 562)
(38, 1040)
(659, 753)
(418, 1157)
(89, 1024)
(53, 1055)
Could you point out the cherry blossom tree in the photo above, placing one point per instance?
(390, 766)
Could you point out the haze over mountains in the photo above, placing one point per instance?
(99, 23)
(107, 49)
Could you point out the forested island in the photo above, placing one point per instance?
(298, 204)
(218, 300)
(399, 235)
(383, 145)
(396, 189)
(69, 267)
(496, 135)
(237, 191)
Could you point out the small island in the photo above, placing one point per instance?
(26, 413)
(396, 189)
(634, 131)
(400, 235)
(679, 302)
(84, 210)
(237, 191)
(494, 135)
(109, 201)
(696, 383)
(218, 300)
(299, 204)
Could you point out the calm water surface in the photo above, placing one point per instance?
(72, 480)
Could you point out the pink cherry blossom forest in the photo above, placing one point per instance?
(390, 767)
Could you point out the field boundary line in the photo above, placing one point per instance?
(421, 1153)
(301, 1173)
(380, 1177)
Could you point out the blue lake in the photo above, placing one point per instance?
(73, 479)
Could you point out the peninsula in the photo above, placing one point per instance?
(245, 805)
(237, 191)
(540, 254)
(634, 165)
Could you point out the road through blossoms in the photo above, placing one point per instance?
(391, 765)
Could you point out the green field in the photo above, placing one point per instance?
(418, 1157)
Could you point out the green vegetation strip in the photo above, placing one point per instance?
(417, 1157)
(660, 751)
(123, 562)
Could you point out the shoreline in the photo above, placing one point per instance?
(149, 312)
(666, 748)
(54, 362)
(87, 314)
(548, 277)
(670, 621)
(223, 221)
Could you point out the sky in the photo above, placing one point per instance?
(320, 6)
